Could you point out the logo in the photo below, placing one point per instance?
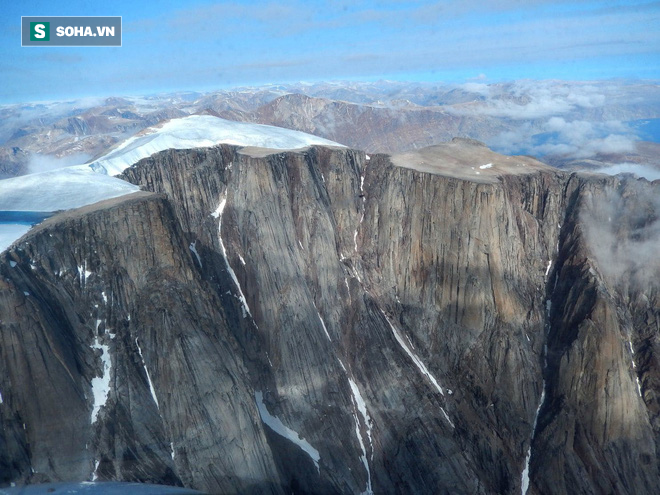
(46, 31)
(40, 31)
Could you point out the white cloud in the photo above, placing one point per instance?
(646, 171)
(623, 231)
(479, 88)
(44, 163)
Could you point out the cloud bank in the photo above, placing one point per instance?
(622, 229)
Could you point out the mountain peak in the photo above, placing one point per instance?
(200, 131)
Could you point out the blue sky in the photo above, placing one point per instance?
(199, 45)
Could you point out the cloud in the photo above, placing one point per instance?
(478, 88)
(44, 163)
(622, 229)
(533, 99)
(648, 172)
(558, 118)
(569, 139)
(581, 139)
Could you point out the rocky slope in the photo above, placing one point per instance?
(375, 128)
(322, 321)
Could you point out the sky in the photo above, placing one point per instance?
(176, 45)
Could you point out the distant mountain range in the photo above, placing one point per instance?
(568, 124)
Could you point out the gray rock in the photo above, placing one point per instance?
(316, 321)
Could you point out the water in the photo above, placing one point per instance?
(24, 217)
(14, 224)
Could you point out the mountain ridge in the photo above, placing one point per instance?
(394, 320)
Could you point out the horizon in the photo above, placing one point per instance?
(205, 47)
(292, 85)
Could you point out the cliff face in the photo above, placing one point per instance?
(322, 321)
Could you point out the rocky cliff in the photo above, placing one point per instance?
(321, 321)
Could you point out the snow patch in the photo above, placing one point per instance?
(96, 467)
(488, 165)
(144, 365)
(281, 429)
(12, 264)
(1, 401)
(221, 207)
(83, 273)
(547, 270)
(101, 385)
(193, 248)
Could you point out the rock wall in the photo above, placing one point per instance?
(323, 321)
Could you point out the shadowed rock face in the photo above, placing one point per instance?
(317, 321)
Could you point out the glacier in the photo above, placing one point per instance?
(80, 185)
(198, 131)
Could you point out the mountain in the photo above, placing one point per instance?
(79, 185)
(560, 122)
(376, 128)
(200, 131)
(325, 321)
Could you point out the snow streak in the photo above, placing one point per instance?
(281, 429)
(218, 214)
(360, 406)
(524, 485)
(144, 365)
(634, 366)
(323, 324)
(524, 481)
(418, 362)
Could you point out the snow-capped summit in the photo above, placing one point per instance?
(197, 131)
(80, 185)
